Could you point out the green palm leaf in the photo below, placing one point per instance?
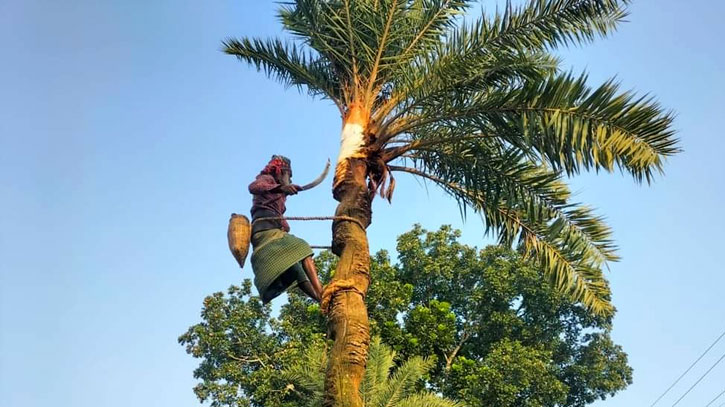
(530, 208)
(560, 120)
(309, 373)
(427, 399)
(402, 382)
(550, 23)
(379, 388)
(380, 363)
(574, 127)
(288, 64)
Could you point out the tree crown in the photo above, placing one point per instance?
(481, 108)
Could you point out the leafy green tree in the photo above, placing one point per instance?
(480, 108)
(243, 349)
(501, 337)
(384, 384)
(494, 334)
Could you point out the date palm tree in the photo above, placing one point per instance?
(384, 384)
(478, 106)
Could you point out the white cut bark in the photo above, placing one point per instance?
(352, 141)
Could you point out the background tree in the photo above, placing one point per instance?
(495, 334)
(480, 109)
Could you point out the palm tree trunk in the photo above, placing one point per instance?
(347, 316)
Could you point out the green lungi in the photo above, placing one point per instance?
(276, 262)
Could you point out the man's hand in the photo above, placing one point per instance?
(290, 189)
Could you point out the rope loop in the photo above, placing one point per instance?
(346, 218)
(331, 290)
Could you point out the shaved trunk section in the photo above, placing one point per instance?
(352, 142)
(344, 297)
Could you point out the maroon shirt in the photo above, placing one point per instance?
(268, 201)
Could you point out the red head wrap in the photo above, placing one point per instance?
(276, 165)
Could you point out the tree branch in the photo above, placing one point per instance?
(449, 358)
(246, 360)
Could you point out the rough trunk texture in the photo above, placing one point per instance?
(347, 315)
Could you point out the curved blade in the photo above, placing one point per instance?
(317, 180)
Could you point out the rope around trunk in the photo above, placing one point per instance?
(347, 218)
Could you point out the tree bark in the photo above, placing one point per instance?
(344, 297)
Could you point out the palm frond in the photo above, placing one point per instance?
(530, 29)
(379, 388)
(450, 71)
(427, 399)
(529, 206)
(446, 74)
(324, 27)
(562, 121)
(287, 64)
(573, 127)
(380, 363)
(403, 381)
(309, 372)
(550, 23)
(427, 23)
(366, 40)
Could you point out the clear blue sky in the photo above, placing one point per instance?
(127, 138)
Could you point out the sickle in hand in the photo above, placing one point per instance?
(317, 180)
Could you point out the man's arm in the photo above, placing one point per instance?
(266, 183)
(291, 189)
(263, 183)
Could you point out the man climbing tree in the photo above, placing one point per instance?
(479, 107)
(280, 260)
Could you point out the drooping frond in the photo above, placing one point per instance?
(289, 65)
(526, 204)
